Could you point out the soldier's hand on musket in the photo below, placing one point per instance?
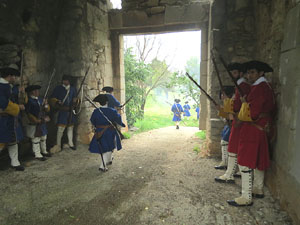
(22, 107)
(46, 119)
(243, 99)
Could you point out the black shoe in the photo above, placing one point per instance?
(48, 154)
(19, 168)
(73, 148)
(258, 195)
(109, 163)
(233, 203)
(224, 181)
(177, 127)
(221, 167)
(237, 175)
(103, 170)
(41, 158)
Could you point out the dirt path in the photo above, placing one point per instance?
(155, 179)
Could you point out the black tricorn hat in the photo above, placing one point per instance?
(177, 100)
(102, 99)
(10, 70)
(234, 66)
(186, 102)
(66, 77)
(31, 88)
(259, 66)
(229, 91)
(108, 89)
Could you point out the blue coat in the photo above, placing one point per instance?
(112, 101)
(226, 133)
(33, 108)
(110, 139)
(59, 93)
(198, 112)
(187, 110)
(10, 127)
(177, 109)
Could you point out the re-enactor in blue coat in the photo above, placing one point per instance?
(36, 130)
(112, 101)
(10, 130)
(177, 110)
(63, 97)
(106, 138)
(186, 111)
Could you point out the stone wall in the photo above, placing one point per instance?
(68, 35)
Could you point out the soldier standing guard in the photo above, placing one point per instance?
(10, 130)
(106, 138)
(186, 111)
(232, 106)
(36, 130)
(256, 114)
(64, 98)
(177, 110)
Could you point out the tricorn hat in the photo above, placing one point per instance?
(177, 100)
(234, 66)
(229, 91)
(12, 69)
(66, 77)
(31, 88)
(108, 89)
(259, 66)
(101, 98)
(186, 102)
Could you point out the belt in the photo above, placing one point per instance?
(100, 133)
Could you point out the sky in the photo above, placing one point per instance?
(176, 48)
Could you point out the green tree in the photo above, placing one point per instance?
(179, 82)
(135, 76)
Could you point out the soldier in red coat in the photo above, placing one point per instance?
(256, 114)
(238, 71)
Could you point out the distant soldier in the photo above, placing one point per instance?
(177, 110)
(186, 110)
(198, 112)
(112, 101)
(10, 129)
(253, 152)
(36, 130)
(63, 99)
(106, 138)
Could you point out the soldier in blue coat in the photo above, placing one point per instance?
(36, 130)
(177, 110)
(112, 101)
(106, 138)
(10, 132)
(63, 99)
(198, 112)
(186, 110)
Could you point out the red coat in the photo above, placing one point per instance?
(235, 129)
(253, 149)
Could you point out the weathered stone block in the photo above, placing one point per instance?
(115, 19)
(155, 10)
(292, 29)
(174, 14)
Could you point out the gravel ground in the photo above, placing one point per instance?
(155, 179)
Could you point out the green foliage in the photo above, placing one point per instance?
(126, 135)
(201, 134)
(197, 149)
(182, 84)
(135, 75)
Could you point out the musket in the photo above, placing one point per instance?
(38, 129)
(121, 106)
(229, 73)
(205, 93)
(217, 71)
(121, 136)
(72, 106)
